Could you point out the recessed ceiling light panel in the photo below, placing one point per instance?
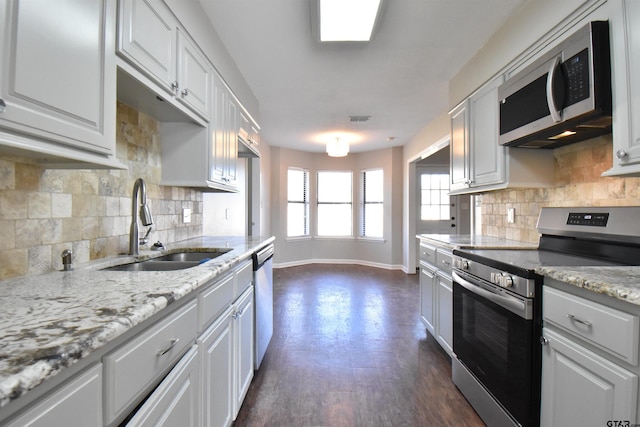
(347, 20)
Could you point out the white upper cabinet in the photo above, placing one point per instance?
(487, 163)
(151, 39)
(194, 76)
(147, 37)
(478, 162)
(57, 81)
(624, 24)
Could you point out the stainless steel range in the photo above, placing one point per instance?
(497, 305)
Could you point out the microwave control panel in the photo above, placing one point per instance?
(576, 71)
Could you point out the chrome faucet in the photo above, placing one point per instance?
(145, 216)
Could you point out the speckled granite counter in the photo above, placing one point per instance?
(465, 241)
(622, 283)
(51, 321)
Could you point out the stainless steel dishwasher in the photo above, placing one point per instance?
(263, 286)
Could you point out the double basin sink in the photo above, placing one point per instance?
(170, 262)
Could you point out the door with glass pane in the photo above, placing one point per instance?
(436, 209)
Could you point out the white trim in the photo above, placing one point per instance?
(372, 239)
(340, 261)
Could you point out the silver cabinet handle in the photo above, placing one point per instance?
(175, 85)
(544, 340)
(3, 106)
(621, 154)
(185, 92)
(579, 320)
(168, 349)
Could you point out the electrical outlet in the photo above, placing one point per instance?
(511, 215)
(186, 215)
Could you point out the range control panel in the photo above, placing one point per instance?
(588, 219)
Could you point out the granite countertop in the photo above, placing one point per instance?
(622, 283)
(466, 241)
(51, 321)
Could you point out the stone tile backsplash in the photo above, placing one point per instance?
(578, 182)
(44, 211)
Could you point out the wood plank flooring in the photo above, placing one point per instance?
(349, 350)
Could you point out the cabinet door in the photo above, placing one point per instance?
(78, 403)
(444, 328)
(581, 388)
(57, 72)
(427, 299)
(244, 345)
(194, 77)
(216, 349)
(459, 146)
(232, 142)
(625, 57)
(176, 401)
(217, 162)
(487, 165)
(147, 37)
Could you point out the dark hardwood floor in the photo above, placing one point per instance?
(349, 350)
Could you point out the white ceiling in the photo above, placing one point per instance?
(308, 90)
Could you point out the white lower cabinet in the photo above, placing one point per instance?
(216, 367)
(76, 403)
(176, 401)
(581, 388)
(243, 347)
(444, 290)
(436, 294)
(427, 297)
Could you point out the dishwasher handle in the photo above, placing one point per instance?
(262, 256)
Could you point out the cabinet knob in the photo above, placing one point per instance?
(185, 92)
(175, 85)
(544, 340)
(621, 154)
(3, 106)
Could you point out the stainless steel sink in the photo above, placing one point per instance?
(153, 265)
(193, 256)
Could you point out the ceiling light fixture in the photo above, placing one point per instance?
(347, 20)
(337, 148)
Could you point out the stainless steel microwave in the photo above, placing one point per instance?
(563, 97)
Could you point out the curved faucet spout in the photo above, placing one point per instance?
(145, 215)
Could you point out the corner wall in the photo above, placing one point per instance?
(298, 251)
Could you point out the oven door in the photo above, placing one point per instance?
(493, 337)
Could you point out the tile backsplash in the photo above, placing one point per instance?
(44, 211)
(578, 182)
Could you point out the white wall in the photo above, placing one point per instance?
(386, 254)
(530, 25)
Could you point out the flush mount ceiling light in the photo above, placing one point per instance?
(345, 20)
(337, 148)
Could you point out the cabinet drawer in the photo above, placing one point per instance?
(132, 369)
(443, 260)
(244, 277)
(614, 331)
(428, 253)
(214, 300)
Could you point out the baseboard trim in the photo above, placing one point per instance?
(340, 261)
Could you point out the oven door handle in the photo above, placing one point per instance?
(511, 303)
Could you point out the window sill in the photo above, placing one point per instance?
(297, 238)
(372, 239)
